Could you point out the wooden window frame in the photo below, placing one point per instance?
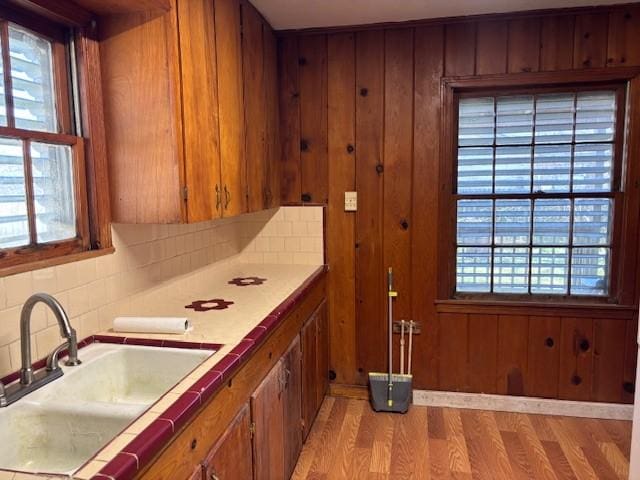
(90, 172)
(627, 196)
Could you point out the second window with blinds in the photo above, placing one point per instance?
(537, 186)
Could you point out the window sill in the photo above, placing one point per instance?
(52, 262)
(537, 308)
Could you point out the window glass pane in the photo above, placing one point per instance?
(3, 107)
(554, 118)
(32, 80)
(475, 221)
(551, 220)
(473, 269)
(513, 222)
(53, 190)
(475, 170)
(549, 270)
(513, 170)
(514, 120)
(475, 121)
(552, 168)
(591, 221)
(592, 167)
(589, 271)
(595, 116)
(14, 224)
(511, 270)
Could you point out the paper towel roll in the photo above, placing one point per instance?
(176, 325)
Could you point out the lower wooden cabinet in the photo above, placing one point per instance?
(315, 365)
(276, 412)
(230, 458)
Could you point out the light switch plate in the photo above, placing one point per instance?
(350, 201)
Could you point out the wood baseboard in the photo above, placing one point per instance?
(357, 392)
(532, 405)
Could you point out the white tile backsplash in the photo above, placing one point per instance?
(150, 257)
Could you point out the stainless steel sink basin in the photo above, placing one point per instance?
(57, 428)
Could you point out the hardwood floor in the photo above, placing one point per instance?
(350, 441)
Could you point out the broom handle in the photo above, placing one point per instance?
(390, 283)
(411, 326)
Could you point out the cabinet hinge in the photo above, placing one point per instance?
(252, 429)
(185, 193)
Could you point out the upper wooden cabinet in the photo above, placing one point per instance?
(186, 140)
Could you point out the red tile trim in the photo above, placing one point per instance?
(256, 334)
(207, 385)
(122, 467)
(182, 409)
(243, 348)
(149, 442)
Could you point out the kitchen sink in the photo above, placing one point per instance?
(57, 428)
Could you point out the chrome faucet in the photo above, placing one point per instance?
(30, 380)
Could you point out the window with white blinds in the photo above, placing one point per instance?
(535, 193)
(37, 198)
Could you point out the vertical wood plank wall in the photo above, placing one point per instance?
(360, 110)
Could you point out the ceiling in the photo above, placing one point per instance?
(294, 14)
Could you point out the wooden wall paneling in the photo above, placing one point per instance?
(370, 274)
(608, 373)
(576, 358)
(623, 46)
(524, 45)
(340, 224)
(630, 361)
(231, 105)
(272, 171)
(512, 361)
(289, 99)
(460, 49)
(453, 337)
(543, 357)
(556, 42)
(590, 41)
(398, 160)
(200, 108)
(428, 69)
(322, 345)
(254, 106)
(483, 352)
(491, 49)
(145, 177)
(313, 117)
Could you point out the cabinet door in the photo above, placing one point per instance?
(230, 458)
(254, 106)
(230, 107)
(267, 406)
(322, 359)
(315, 365)
(309, 380)
(292, 403)
(272, 170)
(197, 43)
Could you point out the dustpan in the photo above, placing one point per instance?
(390, 392)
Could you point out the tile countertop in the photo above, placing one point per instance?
(256, 309)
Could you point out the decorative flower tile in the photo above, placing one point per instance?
(206, 305)
(247, 281)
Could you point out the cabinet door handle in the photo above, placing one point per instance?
(217, 197)
(213, 476)
(227, 197)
